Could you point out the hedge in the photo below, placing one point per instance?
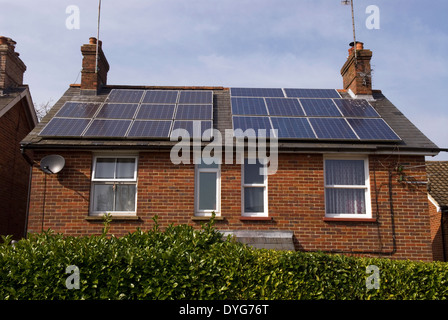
(183, 263)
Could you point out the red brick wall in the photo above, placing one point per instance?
(14, 172)
(61, 201)
(436, 232)
(296, 203)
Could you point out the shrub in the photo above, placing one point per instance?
(183, 263)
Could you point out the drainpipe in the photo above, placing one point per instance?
(31, 163)
(443, 211)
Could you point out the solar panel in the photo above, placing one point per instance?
(156, 111)
(125, 96)
(117, 111)
(196, 97)
(373, 129)
(249, 106)
(298, 128)
(195, 129)
(356, 108)
(257, 92)
(108, 128)
(78, 110)
(312, 93)
(65, 127)
(332, 128)
(194, 112)
(320, 107)
(254, 123)
(160, 96)
(284, 107)
(150, 129)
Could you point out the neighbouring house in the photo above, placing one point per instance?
(437, 172)
(330, 179)
(17, 119)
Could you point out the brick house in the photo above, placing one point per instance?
(336, 186)
(17, 119)
(438, 206)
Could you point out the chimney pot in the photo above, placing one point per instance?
(92, 40)
(3, 40)
(359, 45)
(12, 43)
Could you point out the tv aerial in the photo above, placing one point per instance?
(350, 2)
(52, 164)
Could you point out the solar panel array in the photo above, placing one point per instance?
(306, 114)
(309, 114)
(135, 113)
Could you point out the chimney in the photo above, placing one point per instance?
(92, 80)
(356, 72)
(12, 67)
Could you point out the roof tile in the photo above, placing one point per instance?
(437, 172)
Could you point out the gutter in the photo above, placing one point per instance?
(282, 147)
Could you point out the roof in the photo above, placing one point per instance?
(437, 172)
(11, 97)
(413, 141)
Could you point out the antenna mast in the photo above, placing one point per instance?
(346, 2)
(98, 36)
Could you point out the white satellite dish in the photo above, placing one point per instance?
(52, 164)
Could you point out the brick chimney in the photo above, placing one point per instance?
(356, 72)
(92, 80)
(12, 67)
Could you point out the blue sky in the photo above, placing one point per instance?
(250, 43)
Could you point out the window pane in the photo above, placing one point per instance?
(253, 199)
(349, 201)
(125, 168)
(124, 197)
(209, 163)
(103, 197)
(252, 172)
(344, 172)
(105, 168)
(207, 191)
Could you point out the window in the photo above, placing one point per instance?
(114, 185)
(254, 189)
(347, 188)
(207, 188)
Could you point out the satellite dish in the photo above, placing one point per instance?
(52, 164)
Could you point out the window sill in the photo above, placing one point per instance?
(349, 219)
(113, 217)
(206, 218)
(242, 218)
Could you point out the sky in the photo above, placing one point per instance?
(241, 43)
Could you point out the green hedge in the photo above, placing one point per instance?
(183, 263)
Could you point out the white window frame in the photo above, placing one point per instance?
(263, 185)
(113, 181)
(198, 170)
(365, 187)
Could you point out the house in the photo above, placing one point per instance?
(437, 172)
(17, 119)
(329, 179)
